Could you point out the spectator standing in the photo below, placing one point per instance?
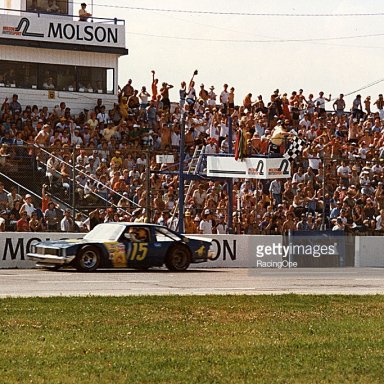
(357, 108)
(51, 217)
(182, 94)
(27, 207)
(164, 92)
(4, 202)
(221, 226)
(212, 97)
(224, 97)
(22, 224)
(3, 215)
(154, 86)
(13, 196)
(275, 192)
(14, 105)
(144, 98)
(339, 105)
(67, 224)
(380, 105)
(189, 224)
(83, 13)
(35, 223)
(320, 103)
(206, 224)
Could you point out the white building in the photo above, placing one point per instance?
(47, 55)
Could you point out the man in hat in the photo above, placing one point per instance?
(212, 97)
(83, 14)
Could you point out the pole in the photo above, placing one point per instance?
(180, 225)
(148, 185)
(230, 181)
(324, 202)
(73, 183)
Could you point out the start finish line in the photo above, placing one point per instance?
(249, 168)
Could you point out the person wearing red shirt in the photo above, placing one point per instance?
(22, 224)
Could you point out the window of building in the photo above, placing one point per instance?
(18, 75)
(56, 77)
(48, 6)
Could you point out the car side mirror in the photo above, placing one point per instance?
(127, 236)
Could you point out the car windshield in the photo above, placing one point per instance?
(105, 232)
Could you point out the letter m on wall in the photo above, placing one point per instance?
(10, 250)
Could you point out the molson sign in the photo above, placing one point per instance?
(61, 30)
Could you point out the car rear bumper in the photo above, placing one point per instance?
(50, 259)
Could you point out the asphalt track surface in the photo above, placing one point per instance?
(38, 282)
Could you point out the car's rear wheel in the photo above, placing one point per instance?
(88, 259)
(178, 259)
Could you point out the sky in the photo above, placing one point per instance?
(176, 43)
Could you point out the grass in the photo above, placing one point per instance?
(193, 339)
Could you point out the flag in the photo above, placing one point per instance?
(241, 149)
(294, 149)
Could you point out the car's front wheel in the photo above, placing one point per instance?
(88, 259)
(178, 259)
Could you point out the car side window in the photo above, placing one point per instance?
(136, 235)
(161, 237)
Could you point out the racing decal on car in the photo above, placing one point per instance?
(201, 251)
(116, 252)
(139, 251)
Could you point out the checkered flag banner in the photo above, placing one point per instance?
(295, 148)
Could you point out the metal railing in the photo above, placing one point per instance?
(42, 13)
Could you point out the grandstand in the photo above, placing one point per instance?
(72, 139)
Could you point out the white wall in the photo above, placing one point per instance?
(232, 251)
(369, 251)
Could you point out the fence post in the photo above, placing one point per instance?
(148, 185)
(180, 223)
(230, 181)
(73, 182)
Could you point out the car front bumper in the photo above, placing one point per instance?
(50, 259)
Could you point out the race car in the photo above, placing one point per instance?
(124, 245)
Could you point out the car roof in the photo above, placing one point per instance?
(133, 224)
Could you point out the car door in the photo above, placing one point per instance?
(142, 253)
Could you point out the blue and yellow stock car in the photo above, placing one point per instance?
(124, 245)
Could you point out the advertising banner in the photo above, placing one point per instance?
(249, 168)
(319, 248)
(38, 27)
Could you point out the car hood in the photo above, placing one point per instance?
(63, 243)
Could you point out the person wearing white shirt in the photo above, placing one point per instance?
(380, 221)
(224, 96)
(206, 225)
(305, 122)
(344, 172)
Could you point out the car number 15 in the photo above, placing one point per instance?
(139, 251)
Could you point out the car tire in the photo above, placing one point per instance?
(178, 259)
(87, 259)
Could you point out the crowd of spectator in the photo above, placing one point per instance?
(336, 183)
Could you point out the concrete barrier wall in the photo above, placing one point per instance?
(14, 246)
(369, 251)
(232, 251)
